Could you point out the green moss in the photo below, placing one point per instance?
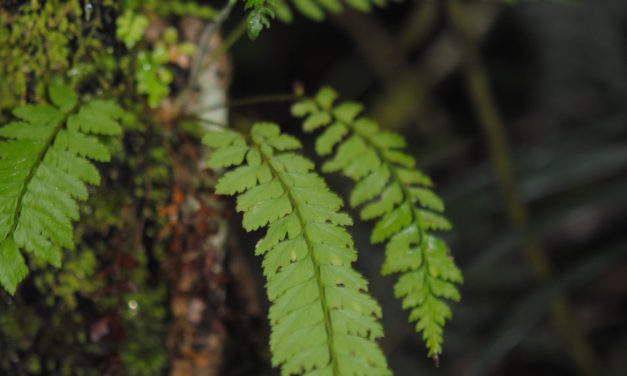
(39, 41)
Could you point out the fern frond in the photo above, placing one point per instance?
(323, 321)
(392, 190)
(260, 12)
(43, 170)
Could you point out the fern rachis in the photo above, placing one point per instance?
(393, 191)
(323, 322)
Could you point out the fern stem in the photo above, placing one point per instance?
(33, 168)
(323, 301)
(218, 124)
(247, 101)
(489, 119)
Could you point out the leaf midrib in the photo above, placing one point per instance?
(406, 197)
(325, 308)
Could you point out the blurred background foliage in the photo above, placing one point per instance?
(105, 311)
(515, 108)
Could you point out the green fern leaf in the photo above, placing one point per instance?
(63, 97)
(362, 5)
(243, 178)
(43, 171)
(229, 156)
(309, 9)
(259, 16)
(331, 6)
(323, 321)
(12, 265)
(392, 191)
(329, 138)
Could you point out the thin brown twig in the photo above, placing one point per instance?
(269, 98)
(209, 31)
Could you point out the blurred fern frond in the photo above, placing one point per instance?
(44, 164)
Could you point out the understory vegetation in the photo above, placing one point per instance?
(319, 187)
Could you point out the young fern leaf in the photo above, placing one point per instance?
(323, 321)
(258, 16)
(43, 170)
(392, 190)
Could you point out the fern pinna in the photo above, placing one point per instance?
(315, 9)
(323, 321)
(43, 171)
(397, 194)
(261, 11)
